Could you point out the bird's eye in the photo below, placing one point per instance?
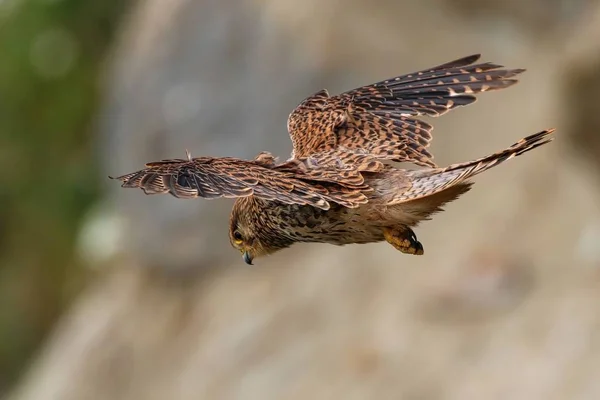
(237, 237)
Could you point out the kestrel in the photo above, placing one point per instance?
(339, 185)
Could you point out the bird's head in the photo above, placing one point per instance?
(244, 239)
(253, 229)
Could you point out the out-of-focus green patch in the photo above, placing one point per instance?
(52, 55)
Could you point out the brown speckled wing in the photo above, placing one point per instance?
(335, 166)
(378, 119)
(431, 181)
(288, 183)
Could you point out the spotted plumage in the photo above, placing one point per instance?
(338, 186)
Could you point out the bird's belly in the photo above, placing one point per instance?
(341, 226)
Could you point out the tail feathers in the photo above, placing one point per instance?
(422, 209)
(429, 182)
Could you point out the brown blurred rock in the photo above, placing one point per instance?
(582, 88)
(487, 283)
(543, 19)
(319, 321)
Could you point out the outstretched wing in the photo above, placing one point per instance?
(379, 119)
(288, 183)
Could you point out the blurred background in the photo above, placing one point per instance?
(109, 294)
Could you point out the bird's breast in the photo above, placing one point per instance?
(338, 225)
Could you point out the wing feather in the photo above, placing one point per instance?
(290, 183)
(379, 119)
(339, 140)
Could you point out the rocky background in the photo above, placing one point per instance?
(155, 304)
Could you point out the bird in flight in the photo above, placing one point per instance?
(339, 185)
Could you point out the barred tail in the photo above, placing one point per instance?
(431, 181)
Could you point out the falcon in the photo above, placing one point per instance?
(340, 185)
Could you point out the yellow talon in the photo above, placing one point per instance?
(403, 239)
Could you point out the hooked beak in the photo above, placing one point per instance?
(247, 258)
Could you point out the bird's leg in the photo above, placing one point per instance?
(404, 239)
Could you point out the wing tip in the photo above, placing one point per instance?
(466, 60)
(546, 134)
